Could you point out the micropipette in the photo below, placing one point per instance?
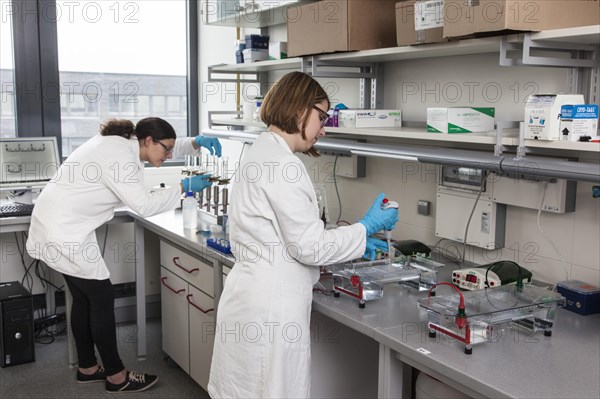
(387, 204)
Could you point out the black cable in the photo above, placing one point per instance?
(337, 192)
(27, 275)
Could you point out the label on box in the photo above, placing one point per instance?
(578, 120)
(460, 120)
(370, 118)
(542, 115)
(429, 14)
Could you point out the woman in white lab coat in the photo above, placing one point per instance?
(104, 173)
(262, 337)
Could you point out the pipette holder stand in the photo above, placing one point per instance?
(490, 310)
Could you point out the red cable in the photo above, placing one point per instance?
(460, 319)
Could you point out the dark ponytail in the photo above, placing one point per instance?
(157, 128)
(118, 127)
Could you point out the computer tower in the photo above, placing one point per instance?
(16, 325)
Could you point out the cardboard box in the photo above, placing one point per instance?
(460, 120)
(542, 115)
(578, 120)
(520, 15)
(419, 22)
(358, 118)
(340, 25)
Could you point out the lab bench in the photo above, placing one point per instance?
(394, 329)
(376, 347)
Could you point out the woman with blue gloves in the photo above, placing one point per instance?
(262, 338)
(104, 173)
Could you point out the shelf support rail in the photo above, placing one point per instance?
(500, 126)
(244, 77)
(580, 55)
(238, 115)
(366, 70)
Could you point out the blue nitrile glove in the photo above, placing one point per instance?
(210, 143)
(374, 244)
(377, 219)
(199, 183)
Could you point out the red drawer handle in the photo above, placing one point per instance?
(164, 282)
(175, 259)
(196, 306)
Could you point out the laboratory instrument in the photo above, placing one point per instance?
(474, 317)
(496, 274)
(26, 164)
(364, 280)
(213, 202)
(582, 298)
(387, 204)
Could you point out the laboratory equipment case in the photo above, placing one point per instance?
(580, 297)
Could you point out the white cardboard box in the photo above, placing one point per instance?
(254, 55)
(357, 118)
(460, 120)
(542, 115)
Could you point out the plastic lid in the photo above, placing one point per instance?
(579, 286)
(189, 194)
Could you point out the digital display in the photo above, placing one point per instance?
(471, 278)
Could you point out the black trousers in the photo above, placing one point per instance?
(93, 323)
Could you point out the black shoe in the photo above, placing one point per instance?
(134, 382)
(99, 375)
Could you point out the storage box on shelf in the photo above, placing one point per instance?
(419, 22)
(487, 16)
(341, 25)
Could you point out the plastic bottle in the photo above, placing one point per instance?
(259, 101)
(189, 207)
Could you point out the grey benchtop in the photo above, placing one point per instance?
(518, 365)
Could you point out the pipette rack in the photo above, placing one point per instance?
(488, 310)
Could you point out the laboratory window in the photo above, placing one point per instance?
(111, 71)
(142, 106)
(7, 79)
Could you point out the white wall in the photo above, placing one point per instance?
(476, 80)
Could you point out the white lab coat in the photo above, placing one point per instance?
(99, 176)
(262, 338)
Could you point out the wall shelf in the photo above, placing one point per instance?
(410, 133)
(585, 34)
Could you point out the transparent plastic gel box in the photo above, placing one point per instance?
(581, 297)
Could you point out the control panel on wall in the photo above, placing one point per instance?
(462, 191)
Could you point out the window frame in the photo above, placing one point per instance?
(37, 82)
